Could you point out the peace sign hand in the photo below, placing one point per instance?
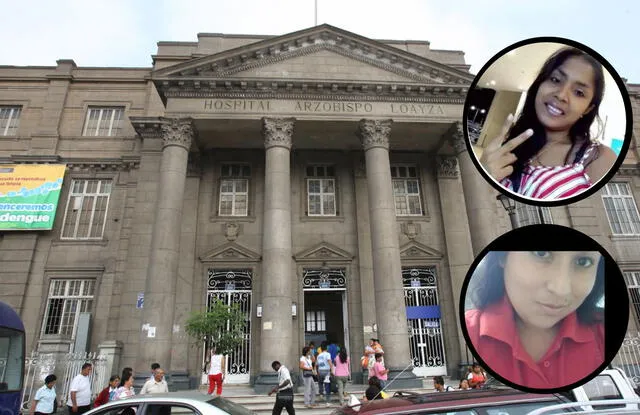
(497, 157)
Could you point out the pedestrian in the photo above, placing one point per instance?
(380, 371)
(439, 385)
(374, 391)
(216, 371)
(155, 385)
(154, 366)
(283, 391)
(342, 373)
(324, 367)
(45, 399)
(476, 377)
(126, 389)
(107, 394)
(80, 391)
(306, 367)
(464, 385)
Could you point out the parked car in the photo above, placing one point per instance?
(503, 401)
(591, 408)
(187, 402)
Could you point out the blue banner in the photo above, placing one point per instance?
(426, 311)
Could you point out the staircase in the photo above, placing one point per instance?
(263, 404)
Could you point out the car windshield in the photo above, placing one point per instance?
(229, 407)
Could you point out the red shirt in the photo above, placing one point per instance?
(576, 352)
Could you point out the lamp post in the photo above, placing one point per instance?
(510, 206)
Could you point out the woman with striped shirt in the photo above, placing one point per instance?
(549, 153)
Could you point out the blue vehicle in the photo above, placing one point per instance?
(12, 348)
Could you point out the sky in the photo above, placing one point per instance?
(124, 33)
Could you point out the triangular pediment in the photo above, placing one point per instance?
(416, 250)
(323, 252)
(322, 53)
(230, 252)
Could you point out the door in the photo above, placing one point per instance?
(424, 320)
(234, 287)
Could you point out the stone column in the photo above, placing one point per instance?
(161, 282)
(391, 316)
(458, 242)
(479, 196)
(276, 333)
(112, 350)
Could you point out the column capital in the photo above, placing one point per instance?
(455, 136)
(277, 132)
(177, 132)
(447, 167)
(374, 133)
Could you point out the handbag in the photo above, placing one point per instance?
(307, 373)
(285, 395)
(364, 360)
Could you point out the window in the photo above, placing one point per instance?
(532, 215)
(316, 321)
(234, 190)
(406, 190)
(123, 409)
(321, 191)
(171, 409)
(9, 119)
(67, 299)
(633, 285)
(104, 121)
(86, 212)
(621, 209)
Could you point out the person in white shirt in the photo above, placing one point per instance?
(154, 367)
(284, 390)
(126, 389)
(155, 385)
(80, 392)
(45, 397)
(216, 371)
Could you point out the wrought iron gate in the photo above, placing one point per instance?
(423, 318)
(234, 287)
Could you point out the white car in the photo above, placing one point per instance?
(184, 403)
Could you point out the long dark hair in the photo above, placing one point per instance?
(342, 354)
(579, 132)
(487, 287)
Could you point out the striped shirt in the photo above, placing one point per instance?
(554, 182)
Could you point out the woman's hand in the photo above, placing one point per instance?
(497, 158)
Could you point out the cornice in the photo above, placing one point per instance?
(629, 170)
(308, 90)
(124, 163)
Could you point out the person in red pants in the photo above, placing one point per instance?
(216, 371)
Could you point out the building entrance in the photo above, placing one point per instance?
(325, 307)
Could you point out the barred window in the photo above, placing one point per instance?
(104, 121)
(621, 209)
(86, 212)
(633, 285)
(406, 190)
(316, 321)
(532, 215)
(66, 300)
(9, 120)
(234, 190)
(321, 191)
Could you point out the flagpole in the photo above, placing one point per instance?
(315, 13)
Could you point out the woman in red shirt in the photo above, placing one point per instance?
(107, 394)
(543, 308)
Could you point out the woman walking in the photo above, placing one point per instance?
(306, 367)
(44, 401)
(342, 373)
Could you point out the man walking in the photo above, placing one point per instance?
(79, 399)
(284, 390)
(157, 384)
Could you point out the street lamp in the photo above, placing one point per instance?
(510, 206)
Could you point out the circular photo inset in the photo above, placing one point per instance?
(544, 308)
(548, 121)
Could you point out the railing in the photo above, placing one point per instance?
(39, 365)
(628, 358)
